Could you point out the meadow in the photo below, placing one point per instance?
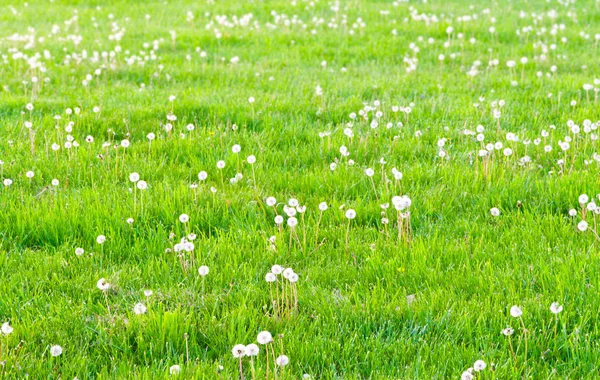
(299, 189)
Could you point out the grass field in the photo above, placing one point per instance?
(425, 171)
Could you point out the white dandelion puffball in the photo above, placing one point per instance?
(236, 148)
(175, 369)
(479, 365)
(323, 206)
(252, 350)
(282, 360)
(238, 351)
(6, 328)
(270, 277)
(184, 218)
(56, 350)
(278, 219)
(350, 214)
(79, 251)
(100, 239)
(556, 308)
(516, 311)
(508, 331)
(270, 201)
(495, 211)
(276, 269)
(29, 174)
(583, 198)
(287, 273)
(134, 177)
(220, 164)
(203, 270)
(102, 284)
(264, 337)
(401, 203)
(202, 175)
(582, 226)
(55, 182)
(251, 159)
(139, 308)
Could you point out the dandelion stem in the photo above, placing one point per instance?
(525, 340)
(271, 295)
(303, 231)
(202, 290)
(31, 138)
(347, 234)
(267, 351)
(187, 349)
(274, 362)
(252, 368)
(254, 180)
(277, 300)
(295, 297)
(374, 189)
(107, 307)
(241, 370)
(512, 351)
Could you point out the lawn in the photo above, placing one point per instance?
(301, 189)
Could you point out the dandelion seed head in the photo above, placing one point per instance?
(479, 365)
(238, 351)
(102, 284)
(282, 360)
(203, 270)
(175, 369)
(6, 328)
(516, 311)
(264, 337)
(56, 350)
(556, 308)
(134, 177)
(139, 308)
(252, 350)
(350, 214)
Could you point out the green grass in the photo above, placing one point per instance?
(370, 307)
